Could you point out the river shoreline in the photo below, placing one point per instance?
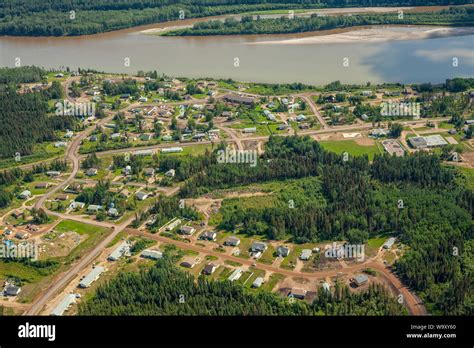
(371, 34)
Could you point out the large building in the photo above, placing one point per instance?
(238, 99)
(91, 277)
(435, 140)
(122, 250)
(172, 150)
(393, 148)
(64, 305)
(152, 254)
(428, 141)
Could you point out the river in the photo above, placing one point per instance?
(267, 58)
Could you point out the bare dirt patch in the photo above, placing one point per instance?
(363, 141)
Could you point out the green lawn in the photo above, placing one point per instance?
(272, 281)
(351, 147)
(35, 278)
(376, 242)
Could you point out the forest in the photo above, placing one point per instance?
(24, 116)
(165, 290)
(454, 16)
(414, 198)
(54, 17)
(27, 74)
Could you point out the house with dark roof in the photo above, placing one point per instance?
(283, 251)
(209, 269)
(232, 241)
(258, 247)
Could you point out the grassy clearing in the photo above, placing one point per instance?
(41, 152)
(274, 279)
(467, 176)
(35, 278)
(351, 147)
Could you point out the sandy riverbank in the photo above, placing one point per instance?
(373, 34)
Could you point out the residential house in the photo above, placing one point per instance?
(209, 269)
(258, 282)
(360, 279)
(146, 137)
(258, 247)
(190, 261)
(172, 225)
(62, 197)
(12, 290)
(113, 212)
(209, 235)
(236, 274)
(232, 241)
(283, 251)
(93, 208)
(22, 235)
(170, 173)
(389, 243)
(127, 170)
(250, 130)
(187, 230)
(42, 185)
(91, 172)
(25, 194)
(306, 254)
(141, 196)
(149, 171)
(298, 293)
(77, 205)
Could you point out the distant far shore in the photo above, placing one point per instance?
(371, 34)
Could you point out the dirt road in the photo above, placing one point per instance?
(414, 305)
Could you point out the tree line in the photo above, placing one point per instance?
(54, 18)
(414, 198)
(453, 16)
(165, 290)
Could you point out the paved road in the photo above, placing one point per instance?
(334, 129)
(63, 279)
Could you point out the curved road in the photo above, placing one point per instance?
(411, 301)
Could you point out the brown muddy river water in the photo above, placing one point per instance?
(384, 54)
